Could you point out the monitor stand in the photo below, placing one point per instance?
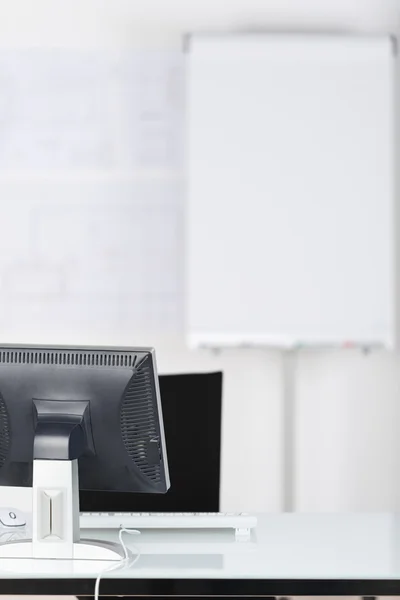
(55, 519)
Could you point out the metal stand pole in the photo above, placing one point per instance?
(289, 363)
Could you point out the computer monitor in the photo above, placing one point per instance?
(77, 414)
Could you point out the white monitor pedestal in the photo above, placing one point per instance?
(55, 519)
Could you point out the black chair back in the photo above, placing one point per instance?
(192, 406)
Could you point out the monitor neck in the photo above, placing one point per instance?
(55, 514)
(63, 429)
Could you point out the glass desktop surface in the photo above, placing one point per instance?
(283, 547)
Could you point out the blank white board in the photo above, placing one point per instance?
(290, 190)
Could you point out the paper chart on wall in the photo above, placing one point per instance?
(90, 257)
(85, 110)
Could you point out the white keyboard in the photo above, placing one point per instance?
(242, 523)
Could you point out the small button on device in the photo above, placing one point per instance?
(11, 517)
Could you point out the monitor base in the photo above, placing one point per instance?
(85, 550)
(55, 521)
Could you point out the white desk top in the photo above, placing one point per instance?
(284, 546)
(342, 548)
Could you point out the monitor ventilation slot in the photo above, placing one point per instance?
(4, 433)
(71, 358)
(139, 423)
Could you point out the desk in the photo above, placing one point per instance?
(288, 555)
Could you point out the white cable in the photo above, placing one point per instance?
(126, 562)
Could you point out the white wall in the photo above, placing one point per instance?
(126, 22)
(349, 458)
(346, 438)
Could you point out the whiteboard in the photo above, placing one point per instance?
(290, 190)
